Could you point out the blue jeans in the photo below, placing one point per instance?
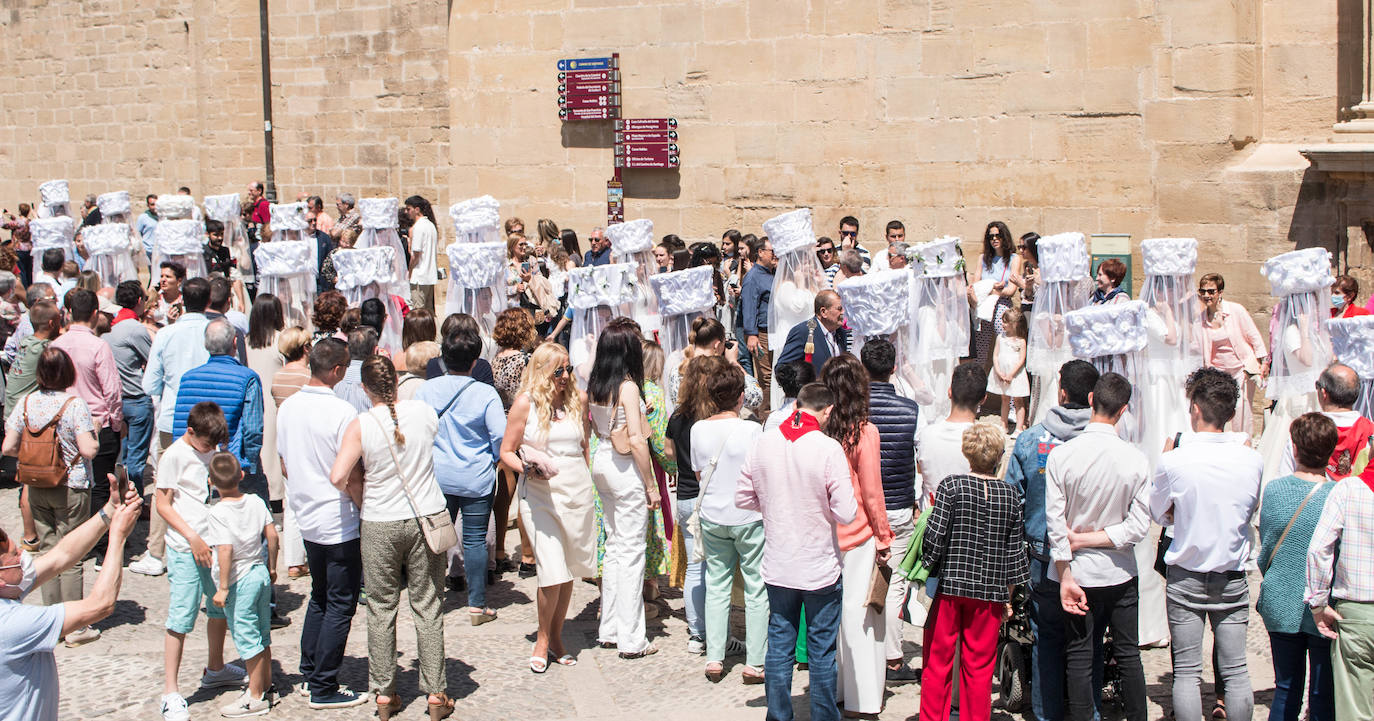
(1047, 656)
(1294, 654)
(693, 584)
(746, 359)
(822, 608)
(138, 416)
(476, 513)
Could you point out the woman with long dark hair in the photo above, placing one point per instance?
(624, 478)
(266, 320)
(862, 655)
(568, 237)
(998, 265)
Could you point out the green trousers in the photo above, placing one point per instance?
(1352, 661)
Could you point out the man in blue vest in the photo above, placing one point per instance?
(238, 392)
(895, 418)
(1026, 471)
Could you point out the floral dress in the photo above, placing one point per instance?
(656, 556)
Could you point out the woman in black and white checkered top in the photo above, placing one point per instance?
(975, 543)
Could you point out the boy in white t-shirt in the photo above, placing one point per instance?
(183, 501)
(239, 524)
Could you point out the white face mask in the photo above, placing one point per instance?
(1337, 301)
(28, 574)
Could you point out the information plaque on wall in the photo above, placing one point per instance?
(615, 202)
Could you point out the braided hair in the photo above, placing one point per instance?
(379, 378)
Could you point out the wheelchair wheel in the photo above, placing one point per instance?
(1013, 677)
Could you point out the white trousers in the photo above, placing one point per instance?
(624, 508)
(902, 525)
(861, 658)
(1154, 617)
(292, 546)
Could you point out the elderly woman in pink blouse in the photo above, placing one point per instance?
(1231, 342)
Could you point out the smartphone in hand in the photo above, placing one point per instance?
(125, 485)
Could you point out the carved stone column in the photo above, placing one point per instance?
(1359, 118)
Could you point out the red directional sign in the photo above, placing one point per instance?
(635, 161)
(646, 136)
(596, 88)
(605, 113)
(646, 149)
(588, 101)
(646, 124)
(589, 76)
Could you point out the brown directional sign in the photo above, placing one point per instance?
(605, 113)
(646, 143)
(646, 149)
(596, 88)
(588, 101)
(637, 161)
(589, 76)
(646, 136)
(627, 124)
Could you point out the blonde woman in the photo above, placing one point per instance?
(546, 443)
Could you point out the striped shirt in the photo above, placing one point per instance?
(1348, 520)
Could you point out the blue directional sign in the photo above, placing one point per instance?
(570, 64)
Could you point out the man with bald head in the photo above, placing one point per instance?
(1338, 387)
(821, 337)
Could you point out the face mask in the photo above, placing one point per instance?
(28, 574)
(1337, 301)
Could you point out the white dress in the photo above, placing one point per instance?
(624, 506)
(792, 304)
(1274, 440)
(559, 510)
(1008, 354)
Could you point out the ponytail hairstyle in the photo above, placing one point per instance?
(416, 201)
(705, 331)
(379, 379)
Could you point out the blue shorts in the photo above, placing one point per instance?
(249, 611)
(191, 587)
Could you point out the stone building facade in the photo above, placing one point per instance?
(1146, 117)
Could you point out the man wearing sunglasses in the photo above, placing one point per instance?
(849, 238)
(28, 633)
(829, 259)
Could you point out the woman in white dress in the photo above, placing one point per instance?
(624, 478)
(796, 280)
(546, 443)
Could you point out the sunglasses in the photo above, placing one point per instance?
(1020, 246)
(824, 251)
(994, 236)
(849, 233)
(561, 371)
(1207, 291)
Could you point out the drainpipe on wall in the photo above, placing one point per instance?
(271, 190)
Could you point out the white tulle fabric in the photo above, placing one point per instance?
(1064, 287)
(285, 270)
(1173, 350)
(370, 273)
(182, 242)
(791, 232)
(477, 284)
(1106, 329)
(476, 220)
(1352, 339)
(682, 296)
(387, 238)
(175, 207)
(113, 204)
(598, 294)
(227, 210)
(876, 304)
(1169, 256)
(938, 334)
(1299, 271)
(54, 192)
(635, 236)
(54, 232)
(1063, 257)
(288, 216)
(1301, 347)
(378, 213)
(109, 246)
(940, 258)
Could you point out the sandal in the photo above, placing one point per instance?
(441, 710)
(714, 670)
(564, 660)
(751, 676)
(539, 665)
(482, 616)
(606, 644)
(648, 651)
(298, 572)
(386, 710)
(29, 544)
(1219, 710)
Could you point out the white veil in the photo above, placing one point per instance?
(1301, 280)
(225, 209)
(477, 265)
(180, 240)
(365, 273)
(285, 270)
(682, 296)
(597, 294)
(1113, 338)
(796, 280)
(380, 219)
(1064, 287)
(108, 246)
(633, 242)
(938, 333)
(58, 231)
(1353, 342)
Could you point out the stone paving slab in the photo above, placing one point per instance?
(118, 678)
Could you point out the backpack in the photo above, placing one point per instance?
(40, 452)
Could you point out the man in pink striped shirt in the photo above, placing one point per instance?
(798, 478)
(97, 383)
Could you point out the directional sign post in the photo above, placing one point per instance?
(589, 88)
(646, 143)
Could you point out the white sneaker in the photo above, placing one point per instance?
(174, 708)
(734, 647)
(230, 675)
(696, 646)
(245, 706)
(149, 565)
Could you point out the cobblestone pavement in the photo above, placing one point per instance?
(120, 676)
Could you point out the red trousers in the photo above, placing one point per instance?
(952, 621)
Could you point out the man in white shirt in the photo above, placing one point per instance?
(940, 445)
(1097, 510)
(310, 431)
(1208, 488)
(424, 247)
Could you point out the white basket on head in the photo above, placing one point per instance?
(876, 304)
(1299, 271)
(179, 237)
(379, 213)
(288, 216)
(175, 207)
(939, 258)
(475, 217)
(224, 208)
(54, 232)
(284, 257)
(106, 239)
(790, 231)
(635, 236)
(1353, 341)
(364, 266)
(54, 192)
(1063, 257)
(1169, 256)
(477, 265)
(684, 291)
(116, 203)
(1103, 330)
(610, 285)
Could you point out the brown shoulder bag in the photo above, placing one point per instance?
(40, 452)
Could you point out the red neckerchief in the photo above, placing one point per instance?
(799, 424)
(123, 315)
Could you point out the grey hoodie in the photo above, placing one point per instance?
(1026, 470)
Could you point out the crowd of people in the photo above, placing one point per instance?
(836, 441)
